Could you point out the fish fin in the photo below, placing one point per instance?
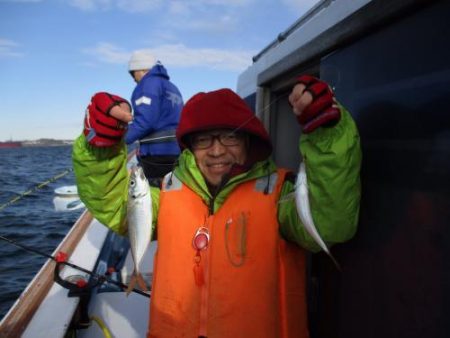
(131, 284)
(141, 282)
(287, 198)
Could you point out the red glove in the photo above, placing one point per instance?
(323, 110)
(100, 128)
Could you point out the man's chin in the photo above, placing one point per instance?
(218, 171)
(215, 180)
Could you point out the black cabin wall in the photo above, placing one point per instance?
(396, 271)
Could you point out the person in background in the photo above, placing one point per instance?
(157, 104)
(231, 257)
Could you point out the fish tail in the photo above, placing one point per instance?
(138, 279)
(141, 282)
(131, 285)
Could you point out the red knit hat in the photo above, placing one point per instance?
(223, 108)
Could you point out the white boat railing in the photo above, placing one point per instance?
(44, 308)
(21, 313)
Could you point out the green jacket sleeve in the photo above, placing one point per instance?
(333, 161)
(102, 180)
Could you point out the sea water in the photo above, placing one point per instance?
(32, 220)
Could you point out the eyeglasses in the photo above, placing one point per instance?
(226, 138)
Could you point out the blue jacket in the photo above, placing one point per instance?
(157, 105)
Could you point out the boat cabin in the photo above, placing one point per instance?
(388, 62)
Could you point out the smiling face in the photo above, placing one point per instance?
(216, 152)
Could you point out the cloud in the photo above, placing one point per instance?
(206, 16)
(301, 6)
(137, 6)
(223, 24)
(108, 53)
(179, 55)
(178, 7)
(236, 3)
(132, 6)
(7, 48)
(21, 1)
(92, 5)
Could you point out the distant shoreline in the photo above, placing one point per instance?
(44, 142)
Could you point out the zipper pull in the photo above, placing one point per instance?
(199, 275)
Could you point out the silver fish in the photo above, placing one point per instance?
(139, 218)
(304, 211)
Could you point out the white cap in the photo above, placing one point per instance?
(141, 60)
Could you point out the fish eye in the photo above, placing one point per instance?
(132, 183)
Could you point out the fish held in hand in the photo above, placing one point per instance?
(304, 211)
(139, 218)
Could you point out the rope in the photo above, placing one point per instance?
(242, 240)
(101, 324)
(35, 188)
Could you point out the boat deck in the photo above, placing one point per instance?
(109, 308)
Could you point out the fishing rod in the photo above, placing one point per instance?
(243, 124)
(61, 259)
(37, 187)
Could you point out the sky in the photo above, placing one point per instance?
(55, 54)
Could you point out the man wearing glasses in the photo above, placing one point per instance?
(215, 159)
(231, 259)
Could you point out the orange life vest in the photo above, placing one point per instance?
(247, 282)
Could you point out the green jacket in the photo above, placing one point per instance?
(332, 156)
